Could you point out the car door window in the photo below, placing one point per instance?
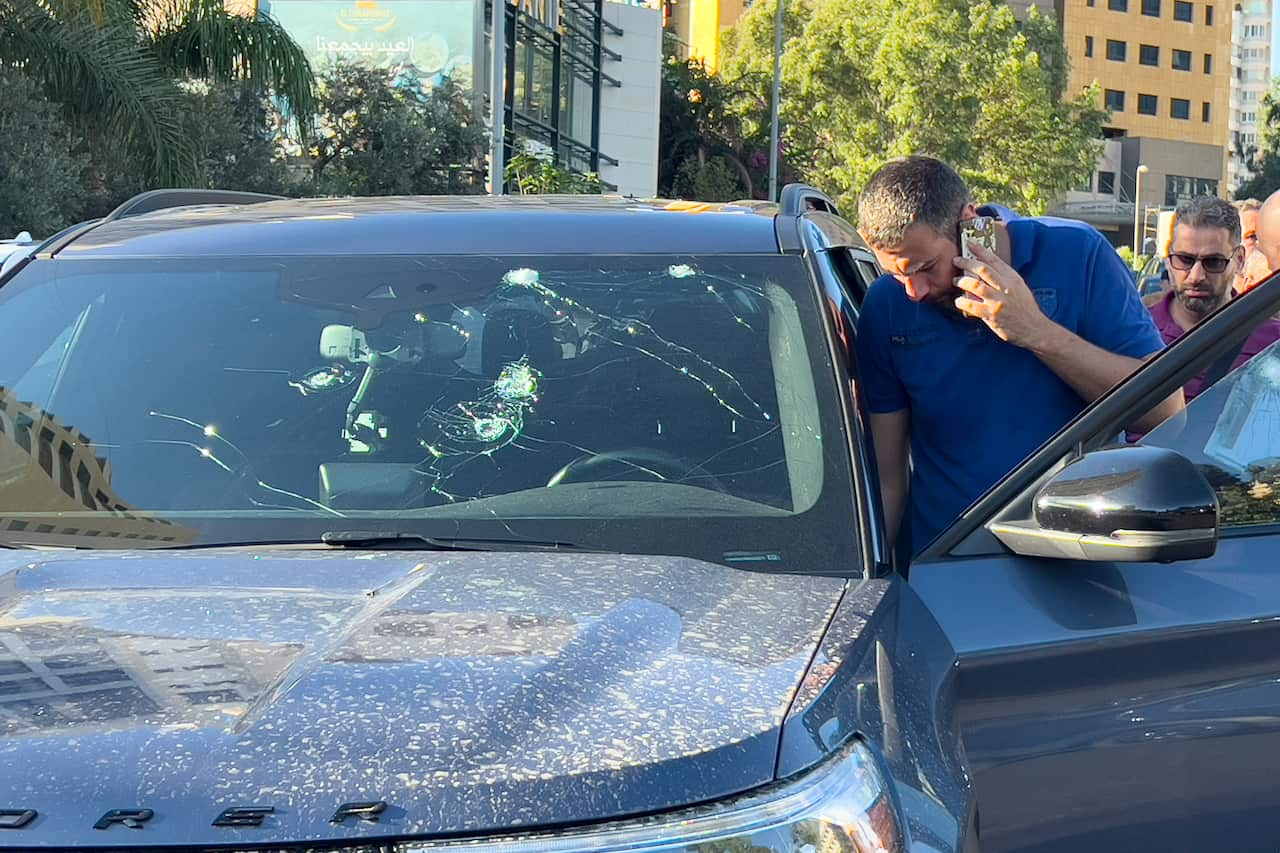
(1232, 432)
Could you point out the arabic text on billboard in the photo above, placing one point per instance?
(435, 37)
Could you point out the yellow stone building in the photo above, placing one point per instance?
(697, 25)
(1165, 70)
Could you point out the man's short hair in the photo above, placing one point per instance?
(907, 191)
(1209, 212)
(1244, 205)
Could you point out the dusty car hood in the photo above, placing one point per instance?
(469, 692)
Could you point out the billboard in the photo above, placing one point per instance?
(441, 39)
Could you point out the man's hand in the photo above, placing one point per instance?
(1000, 298)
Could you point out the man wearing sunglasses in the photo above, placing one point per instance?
(1205, 254)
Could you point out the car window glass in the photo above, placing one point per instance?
(39, 381)
(477, 390)
(1232, 432)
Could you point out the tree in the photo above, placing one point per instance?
(39, 176)
(962, 80)
(232, 127)
(380, 133)
(229, 128)
(1266, 172)
(714, 132)
(533, 170)
(117, 64)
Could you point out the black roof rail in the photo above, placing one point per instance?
(153, 200)
(801, 198)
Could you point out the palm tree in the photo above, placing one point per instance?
(117, 65)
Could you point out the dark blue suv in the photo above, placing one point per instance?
(551, 524)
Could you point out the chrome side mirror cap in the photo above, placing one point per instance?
(1120, 505)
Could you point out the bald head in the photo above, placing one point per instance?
(1269, 230)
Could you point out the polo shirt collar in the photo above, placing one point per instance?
(1162, 314)
(1022, 241)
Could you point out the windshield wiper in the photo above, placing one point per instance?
(358, 539)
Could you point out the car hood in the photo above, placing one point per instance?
(469, 692)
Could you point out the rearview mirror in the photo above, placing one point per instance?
(1125, 504)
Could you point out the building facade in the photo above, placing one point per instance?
(1165, 71)
(1164, 66)
(1250, 79)
(697, 24)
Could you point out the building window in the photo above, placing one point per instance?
(1208, 16)
(1116, 50)
(1115, 100)
(1182, 60)
(1106, 183)
(1118, 5)
(1148, 105)
(1088, 46)
(1180, 108)
(1149, 54)
(1204, 112)
(1179, 188)
(1208, 63)
(1090, 4)
(1182, 11)
(1151, 8)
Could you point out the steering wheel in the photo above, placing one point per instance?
(651, 462)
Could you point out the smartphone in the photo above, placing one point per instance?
(980, 230)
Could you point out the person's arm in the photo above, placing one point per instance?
(1091, 371)
(1001, 299)
(890, 433)
(883, 397)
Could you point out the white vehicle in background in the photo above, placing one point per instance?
(12, 250)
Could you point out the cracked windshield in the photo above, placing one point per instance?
(164, 403)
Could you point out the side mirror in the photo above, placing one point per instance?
(1120, 505)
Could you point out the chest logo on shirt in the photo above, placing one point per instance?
(1047, 297)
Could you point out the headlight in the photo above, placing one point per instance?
(843, 807)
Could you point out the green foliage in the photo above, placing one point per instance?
(533, 170)
(104, 73)
(374, 136)
(1265, 180)
(708, 180)
(1266, 173)
(1126, 253)
(867, 80)
(232, 148)
(714, 133)
(235, 146)
(117, 66)
(1253, 502)
(200, 39)
(39, 175)
(380, 134)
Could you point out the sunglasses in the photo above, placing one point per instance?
(1213, 264)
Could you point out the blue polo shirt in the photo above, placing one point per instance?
(979, 405)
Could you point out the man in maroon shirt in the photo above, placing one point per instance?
(1204, 256)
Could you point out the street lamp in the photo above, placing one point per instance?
(498, 98)
(1137, 209)
(773, 113)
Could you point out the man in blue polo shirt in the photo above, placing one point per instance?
(969, 364)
